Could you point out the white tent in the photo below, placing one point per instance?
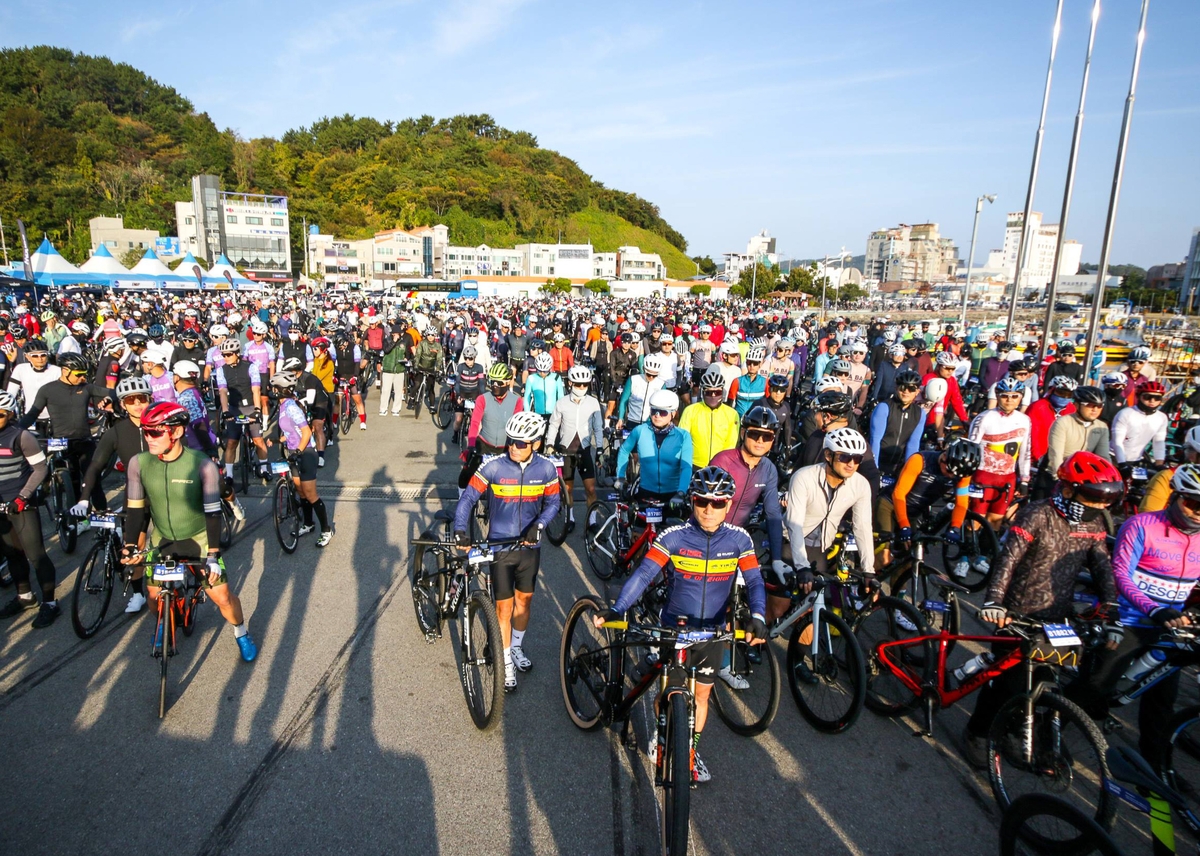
(102, 262)
(151, 267)
(47, 262)
(221, 274)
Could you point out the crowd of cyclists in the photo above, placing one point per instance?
(716, 411)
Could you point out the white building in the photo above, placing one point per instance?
(111, 232)
(336, 264)
(917, 253)
(460, 262)
(252, 230)
(628, 264)
(760, 247)
(396, 253)
(1039, 259)
(573, 261)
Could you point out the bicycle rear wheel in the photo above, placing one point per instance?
(482, 666)
(585, 663)
(228, 521)
(1181, 762)
(892, 620)
(427, 579)
(192, 597)
(1066, 759)
(344, 417)
(600, 539)
(828, 678)
(676, 777)
(64, 498)
(286, 512)
(979, 549)
(244, 452)
(749, 711)
(165, 632)
(939, 608)
(418, 401)
(1056, 819)
(443, 411)
(556, 531)
(93, 591)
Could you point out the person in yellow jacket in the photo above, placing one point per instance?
(714, 425)
(1158, 489)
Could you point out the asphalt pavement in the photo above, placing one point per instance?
(349, 733)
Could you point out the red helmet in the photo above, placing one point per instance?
(1093, 478)
(320, 343)
(1153, 387)
(165, 413)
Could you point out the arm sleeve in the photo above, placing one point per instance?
(655, 561)
(962, 499)
(476, 420)
(774, 513)
(1023, 456)
(879, 417)
(135, 502)
(794, 519)
(1012, 551)
(1158, 445)
(1131, 543)
(624, 402)
(1056, 445)
(731, 396)
(1158, 492)
(37, 460)
(861, 514)
(100, 458)
(685, 463)
(596, 426)
(1119, 432)
(551, 500)
(1099, 441)
(904, 482)
(914, 442)
(956, 402)
(39, 401)
(555, 424)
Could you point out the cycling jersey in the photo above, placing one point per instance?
(468, 381)
(1154, 564)
(664, 458)
(179, 495)
(542, 393)
(68, 407)
(754, 485)
(241, 383)
(858, 376)
(713, 429)
(702, 353)
(161, 388)
(520, 496)
(746, 390)
(490, 418)
(576, 424)
(561, 358)
(701, 569)
(260, 355)
(953, 400)
(1133, 430)
(125, 438)
(291, 422)
(634, 406)
(22, 463)
(921, 484)
(1005, 441)
(815, 511)
(1041, 416)
(895, 435)
(777, 366)
(198, 434)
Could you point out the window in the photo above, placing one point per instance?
(537, 269)
(254, 221)
(276, 221)
(187, 220)
(231, 218)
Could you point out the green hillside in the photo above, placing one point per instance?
(82, 136)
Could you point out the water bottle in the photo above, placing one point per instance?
(976, 664)
(1143, 664)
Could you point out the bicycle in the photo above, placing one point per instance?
(60, 492)
(423, 393)
(246, 450)
(912, 579)
(285, 507)
(592, 676)
(447, 403)
(180, 592)
(1040, 733)
(344, 406)
(96, 577)
(607, 533)
(449, 584)
(560, 526)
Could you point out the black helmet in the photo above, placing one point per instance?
(962, 457)
(137, 339)
(1089, 395)
(17, 330)
(36, 346)
(712, 482)
(157, 331)
(540, 344)
(1030, 363)
(72, 363)
(908, 377)
(778, 381)
(832, 401)
(760, 417)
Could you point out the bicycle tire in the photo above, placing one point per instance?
(344, 419)
(581, 660)
(1024, 808)
(741, 716)
(287, 519)
(428, 585)
(677, 777)
(557, 528)
(885, 622)
(191, 599)
(443, 411)
(1181, 762)
(600, 539)
(93, 581)
(244, 451)
(940, 610)
(67, 537)
(979, 541)
(164, 620)
(485, 697)
(837, 668)
(418, 399)
(228, 521)
(1079, 745)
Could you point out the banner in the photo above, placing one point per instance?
(25, 247)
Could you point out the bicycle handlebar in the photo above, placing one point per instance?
(672, 632)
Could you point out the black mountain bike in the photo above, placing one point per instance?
(97, 575)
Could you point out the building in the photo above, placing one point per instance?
(573, 261)
(111, 232)
(917, 253)
(1190, 285)
(760, 247)
(336, 264)
(396, 253)
(1039, 257)
(482, 261)
(1167, 277)
(435, 240)
(628, 264)
(252, 230)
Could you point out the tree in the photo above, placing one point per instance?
(703, 289)
(561, 285)
(758, 283)
(707, 266)
(802, 279)
(598, 286)
(131, 257)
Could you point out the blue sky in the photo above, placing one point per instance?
(818, 121)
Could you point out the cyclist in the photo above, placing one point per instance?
(1142, 425)
(1139, 371)
(781, 364)
(1082, 430)
(217, 334)
(522, 496)
(711, 422)
(179, 489)
(561, 357)
(634, 407)
(701, 560)
(489, 419)
(664, 453)
(1023, 372)
(468, 383)
(261, 355)
(1064, 365)
(860, 375)
(162, 382)
(116, 361)
(1003, 431)
(888, 370)
(702, 349)
(576, 430)
(321, 369)
(944, 367)
(543, 389)
(34, 374)
(189, 348)
(622, 364)
(731, 356)
(428, 358)
(22, 469)
(237, 387)
(925, 478)
(896, 427)
(348, 362)
(1158, 489)
(776, 401)
(297, 438)
(751, 386)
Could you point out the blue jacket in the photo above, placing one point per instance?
(665, 468)
(519, 498)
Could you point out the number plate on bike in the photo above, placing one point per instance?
(57, 444)
(169, 573)
(243, 420)
(851, 545)
(975, 491)
(103, 521)
(554, 459)
(478, 557)
(280, 468)
(653, 515)
(691, 637)
(1139, 473)
(1061, 635)
(469, 404)
(934, 606)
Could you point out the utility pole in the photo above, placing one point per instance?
(990, 197)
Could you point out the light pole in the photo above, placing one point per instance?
(824, 282)
(988, 197)
(842, 271)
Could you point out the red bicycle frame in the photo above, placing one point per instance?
(649, 533)
(947, 697)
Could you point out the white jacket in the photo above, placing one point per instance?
(1133, 430)
(813, 508)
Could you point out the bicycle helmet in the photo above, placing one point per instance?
(233, 346)
(908, 377)
(1062, 382)
(537, 345)
(935, 390)
(712, 378)
(664, 399)
(1192, 439)
(72, 363)
(834, 402)
(756, 354)
(292, 364)
(1008, 383)
(839, 366)
(889, 335)
(777, 381)
(469, 353)
(1140, 354)
(80, 327)
(962, 457)
(729, 348)
(1089, 395)
(845, 440)
(712, 483)
(945, 358)
(47, 314)
(189, 334)
(186, 369)
(1186, 481)
(760, 417)
(218, 330)
(704, 328)
(830, 383)
(785, 345)
(283, 380)
(157, 331)
(258, 328)
(922, 345)
(1030, 362)
(1154, 387)
(543, 363)
(36, 346)
(859, 347)
(526, 425)
(1093, 477)
(155, 356)
(579, 374)
(666, 339)
(499, 373)
(1065, 348)
(133, 385)
(800, 336)
(321, 343)
(165, 413)
(559, 337)
(897, 350)
(653, 365)
(17, 330)
(113, 346)
(8, 402)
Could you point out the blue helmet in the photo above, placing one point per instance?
(1009, 384)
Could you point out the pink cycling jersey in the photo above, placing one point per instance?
(1154, 565)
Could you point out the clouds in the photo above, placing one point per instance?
(465, 25)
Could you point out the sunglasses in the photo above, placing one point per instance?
(1146, 397)
(847, 458)
(76, 373)
(156, 432)
(137, 398)
(708, 502)
(841, 374)
(908, 387)
(761, 436)
(713, 393)
(1192, 505)
(658, 412)
(579, 386)
(1011, 395)
(519, 444)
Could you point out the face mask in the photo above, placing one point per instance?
(1059, 401)
(1090, 513)
(295, 337)
(1147, 408)
(1180, 520)
(1072, 510)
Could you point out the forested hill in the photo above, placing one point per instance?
(82, 136)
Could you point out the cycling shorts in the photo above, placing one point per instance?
(997, 492)
(185, 549)
(305, 465)
(514, 569)
(581, 460)
(231, 431)
(707, 657)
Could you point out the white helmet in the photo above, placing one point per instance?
(1115, 379)
(115, 345)
(526, 425)
(846, 440)
(8, 402)
(654, 364)
(889, 335)
(800, 335)
(218, 330)
(945, 358)
(579, 374)
(186, 369)
(859, 347)
(133, 385)
(153, 355)
(257, 326)
(755, 354)
(935, 390)
(664, 399)
(704, 328)
(235, 318)
(897, 350)
(468, 353)
(79, 327)
(1192, 440)
(1140, 354)
(730, 347)
(542, 362)
(829, 382)
(639, 327)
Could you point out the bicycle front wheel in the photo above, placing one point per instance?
(482, 667)
(750, 710)
(64, 498)
(1058, 750)
(1181, 762)
(427, 579)
(164, 634)
(600, 539)
(556, 531)
(676, 777)
(344, 417)
(585, 662)
(1057, 820)
(244, 451)
(443, 411)
(93, 591)
(286, 512)
(826, 672)
(892, 620)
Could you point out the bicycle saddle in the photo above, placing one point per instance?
(1126, 765)
(947, 583)
(444, 515)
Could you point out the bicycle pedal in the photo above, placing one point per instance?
(1111, 725)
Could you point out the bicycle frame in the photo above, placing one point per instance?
(945, 696)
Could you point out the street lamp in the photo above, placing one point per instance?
(989, 197)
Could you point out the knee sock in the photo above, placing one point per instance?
(518, 636)
(362, 417)
(322, 516)
(307, 508)
(136, 585)
(229, 471)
